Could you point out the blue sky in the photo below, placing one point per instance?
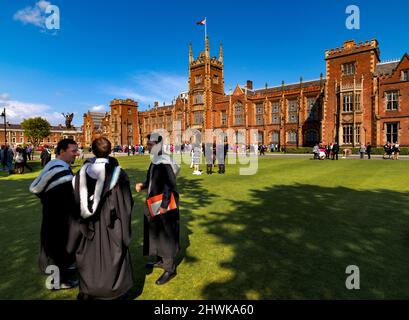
(120, 49)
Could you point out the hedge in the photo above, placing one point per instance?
(376, 151)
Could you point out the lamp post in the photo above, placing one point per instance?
(3, 114)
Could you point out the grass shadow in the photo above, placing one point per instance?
(295, 242)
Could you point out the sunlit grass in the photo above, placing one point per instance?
(287, 232)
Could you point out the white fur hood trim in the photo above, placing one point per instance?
(99, 187)
(38, 185)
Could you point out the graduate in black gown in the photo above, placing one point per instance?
(54, 187)
(101, 246)
(161, 233)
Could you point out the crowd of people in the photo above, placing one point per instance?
(212, 153)
(18, 156)
(86, 220)
(14, 159)
(329, 151)
(391, 151)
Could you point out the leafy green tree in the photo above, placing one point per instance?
(36, 129)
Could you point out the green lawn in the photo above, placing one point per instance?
(288, 232)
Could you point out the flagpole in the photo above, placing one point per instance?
(205, 28)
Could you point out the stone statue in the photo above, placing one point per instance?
(68, 119)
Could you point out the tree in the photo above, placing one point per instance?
(36, 129)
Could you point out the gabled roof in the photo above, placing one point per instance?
(238, 91)
(385, 68)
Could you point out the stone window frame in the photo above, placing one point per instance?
(293, 105)
(357, 100)
(404, 75)
(291, 133)
(277, 133)
(292, 117)
(198, 79)
(198, 117)
(259, 108)
(198, 97)
(275, 111)
(348, 68)
(238, 114)
(390, 92)
(397, 123)
(347, 135)
(348, 106)
(357, 133)
(223, 118)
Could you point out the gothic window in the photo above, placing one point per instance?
(259, 113)
(347, 103)
(275, 116)
(347, 133)
(198, 98)
(292, 111)
(198, 117)
(312, 112)
(238, 114)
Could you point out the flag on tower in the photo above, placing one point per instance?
(202, 22)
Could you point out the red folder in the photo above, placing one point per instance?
(155, 202)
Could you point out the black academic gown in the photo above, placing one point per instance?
(102, 244)
(161, 234)
(54, 188)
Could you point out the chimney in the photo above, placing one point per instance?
(155, 104)
(249, 85)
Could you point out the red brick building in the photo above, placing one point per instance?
(365, 100)
(120, 125)
(360, 100)
(15, 135)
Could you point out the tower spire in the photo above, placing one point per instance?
(221, 52)
(207, 47)
(190, 53)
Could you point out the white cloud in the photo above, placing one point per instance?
(34, 15)
(99, 108)
(17, 111)
(149, 87)
(4, 96)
